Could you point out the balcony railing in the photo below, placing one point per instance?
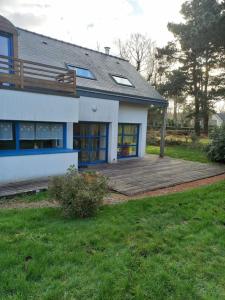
(24, 74)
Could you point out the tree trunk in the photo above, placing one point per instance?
(206, 124)
(205, 99)
(175, 111)
(196, 99)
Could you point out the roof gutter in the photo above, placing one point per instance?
(94, 93)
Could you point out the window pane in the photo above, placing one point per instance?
(96, 143)
(41, 135)
(130, 139)
(84, 143)
(126, 151)
(76, 143)
(81, 72)
(122, 80)
(4, 45)
(40, 144)
(94, 129)
(6, 131)
(76, 129)
(103, 129)
(57, 131)
(130, 129)
(94, 155)
(120, 129)
(27, 131)
(45, 131)
(102, 155)
(83, 156)
(119, 139)
(7, 136)
(84, 129)
(84, 73)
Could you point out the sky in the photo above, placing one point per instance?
(94, 23)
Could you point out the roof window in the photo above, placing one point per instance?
(121, 80)
(81, 72)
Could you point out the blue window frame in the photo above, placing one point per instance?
(81, 72)
(128, 136)
(24, 137)
(91, 139)
(6, 49)
(6, 44)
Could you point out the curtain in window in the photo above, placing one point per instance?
(49, 131)
(27, 131)
(57, 131)
(6, 131)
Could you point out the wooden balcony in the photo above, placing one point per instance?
(28, 75)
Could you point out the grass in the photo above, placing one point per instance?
(30, 197)
(182, 152)
(168, 247)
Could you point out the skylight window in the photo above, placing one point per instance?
(122, 80)
(81, 72)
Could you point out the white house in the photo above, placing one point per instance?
(217, 119)
(62, 104)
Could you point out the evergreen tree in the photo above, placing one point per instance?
(202, 42)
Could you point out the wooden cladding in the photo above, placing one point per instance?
(26, 74)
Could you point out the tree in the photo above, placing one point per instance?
(202, 44)
(174, 88)
(139, 50)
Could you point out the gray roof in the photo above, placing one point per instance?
(58, 53)
(222, 116)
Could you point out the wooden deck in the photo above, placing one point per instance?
(131, 177)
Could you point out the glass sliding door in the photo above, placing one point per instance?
(128, 135)
(91, 139)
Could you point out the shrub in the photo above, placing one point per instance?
(80, 194)
(216, 149)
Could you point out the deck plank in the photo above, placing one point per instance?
(130, 177)
(151, 173)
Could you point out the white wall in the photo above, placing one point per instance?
(69, 136)
(215, 120)
(136, 114)
(100, 110)
(16, 168)
(113, 112)
(27, 106)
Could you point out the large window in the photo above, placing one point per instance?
(7, 136)
(91, 139)
(31, 135)
(122, 80)
(81, 72)
(127, 140)
(40, 135)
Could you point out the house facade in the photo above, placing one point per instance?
(62, 104)
(217, 119)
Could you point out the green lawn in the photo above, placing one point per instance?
(181, 151)
(168, 247)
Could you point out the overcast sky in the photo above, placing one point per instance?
(92, 22)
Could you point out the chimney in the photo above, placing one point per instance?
(107, 49)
